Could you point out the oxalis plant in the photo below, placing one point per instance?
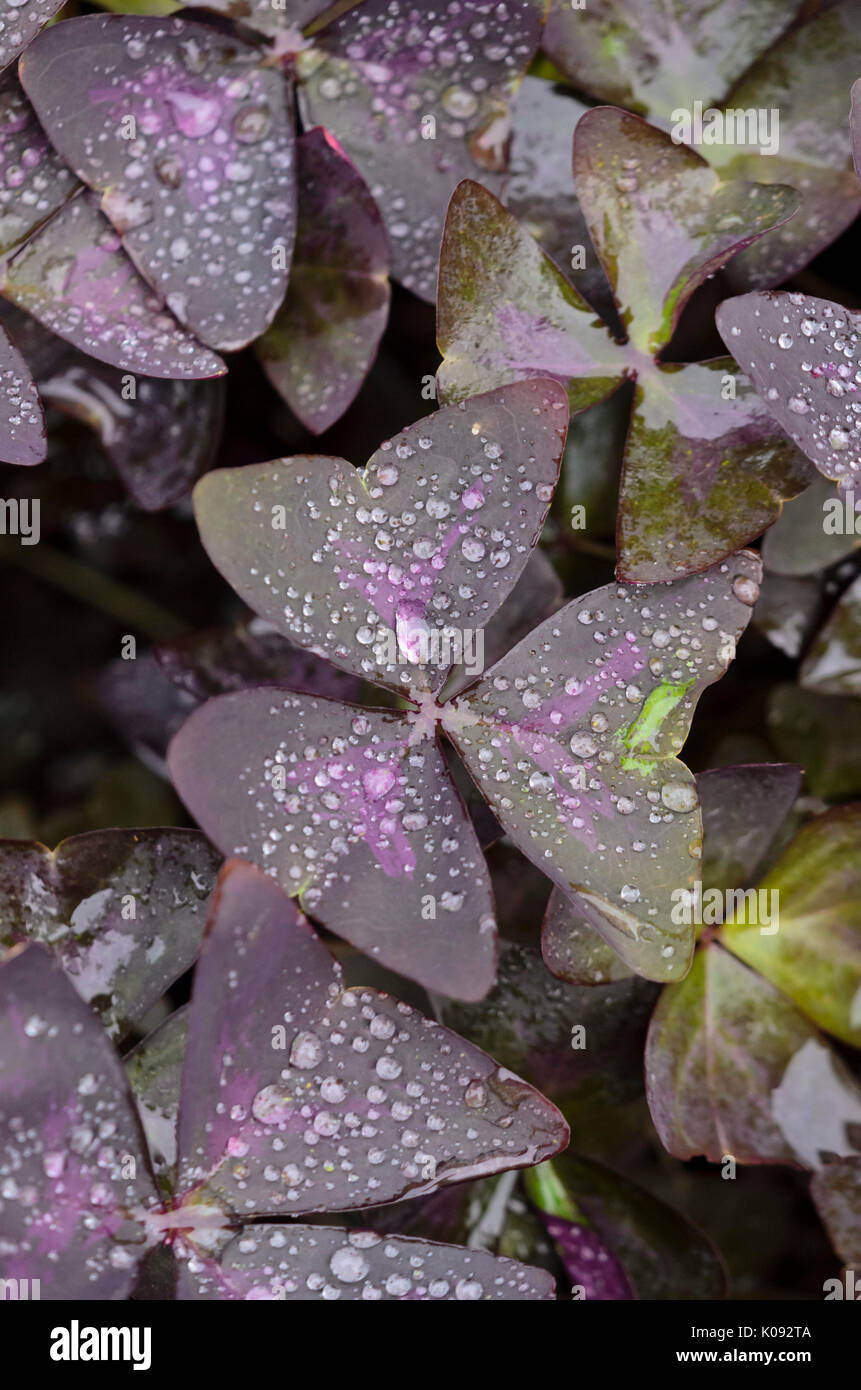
(363, 934)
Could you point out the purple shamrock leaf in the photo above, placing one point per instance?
(572, 948)
(19, 26)
(354, 810)
(804, 358)
(300, 1096)
(701, 447)
(189, 140)
(123, 911)
(22, 433)
(35, 181)
(324, 337)
(300, 1263)
(815, 956)
(282, 21)
(687, 66)
(75, 1175)
(419, 100)
(401, 567)
(734, 1070)
(74, 277)
(573, 738)
(335, 1128)
(798, 92)
(385, 571)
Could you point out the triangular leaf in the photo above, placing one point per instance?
(328, 1099)
(812, 949)
(652, 56)
(354, 810)
(803, 355)
(572, 738)
(733, 1070)
(661, 219)
(386, 572)
(298, 1263)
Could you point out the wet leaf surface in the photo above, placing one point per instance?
(420, 101)
(74, 277)
(72, 1157)
(803, 355)
(205, 124)
(580, 769)
(34, 181)
(299, 1062)
(396, 561)
(652, 56)
(352, 813)
(22, 431)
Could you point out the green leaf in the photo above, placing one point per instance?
(815, 955)
(654, 55)
(734, 1070)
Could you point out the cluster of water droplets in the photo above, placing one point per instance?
(302, 1262)
(34, 181)
(429, 546)
(201, 189)
(806, 362)
(420, 102)
(579, 768)
(374, 1100)
(74, 277)
(21, 430)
